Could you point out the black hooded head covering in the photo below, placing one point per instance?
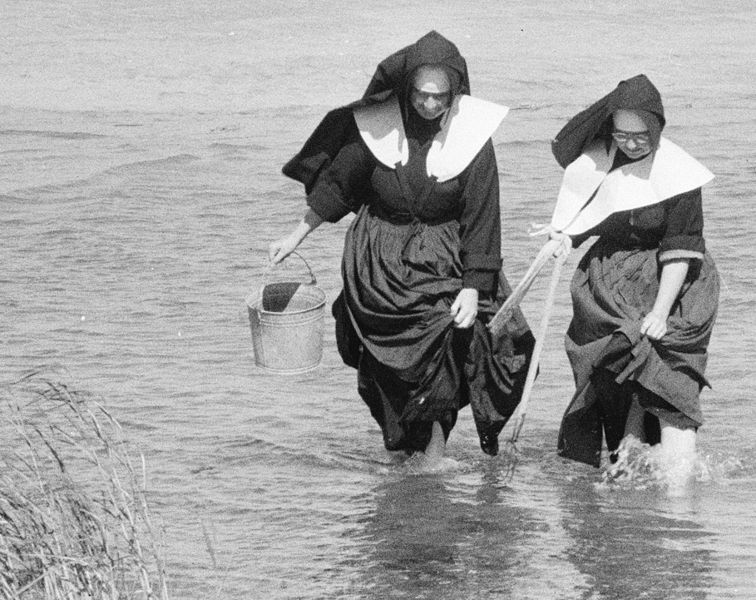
(392, 76)
(395, 73)
(595, 122)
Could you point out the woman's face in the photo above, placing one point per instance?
(631, 134)
(431, 92)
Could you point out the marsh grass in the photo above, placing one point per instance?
(74, 518)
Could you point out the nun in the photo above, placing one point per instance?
(645, 294)
(414, 161)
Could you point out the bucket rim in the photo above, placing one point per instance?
(254, 301)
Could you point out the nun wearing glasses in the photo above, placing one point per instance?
(645, 293)
(414, 160)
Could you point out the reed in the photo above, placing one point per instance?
(74, 518)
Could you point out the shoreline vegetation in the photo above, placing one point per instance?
(74, 517)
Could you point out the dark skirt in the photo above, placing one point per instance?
(393, 325)
(612, 290)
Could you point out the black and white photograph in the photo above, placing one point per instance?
(318, 299)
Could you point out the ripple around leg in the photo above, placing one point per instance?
(640, 466)
(421, 463)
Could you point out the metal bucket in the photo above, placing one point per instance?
(286, 319)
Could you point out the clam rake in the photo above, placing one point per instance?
(499, 320)
(497, 323)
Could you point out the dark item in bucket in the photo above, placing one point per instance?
(286, 319)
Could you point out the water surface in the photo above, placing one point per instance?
(140, 155)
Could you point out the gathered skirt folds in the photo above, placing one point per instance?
(612, 290)
(393, 325)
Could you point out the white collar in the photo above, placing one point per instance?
(663, 174)
(467, 126)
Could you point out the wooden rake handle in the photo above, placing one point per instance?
(522, 408)
(499, 320)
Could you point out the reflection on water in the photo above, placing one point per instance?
(460, 536)
(422, 541)
(413, 535)
(637, 544)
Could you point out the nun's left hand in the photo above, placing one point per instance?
(465, 308)
(654, 326)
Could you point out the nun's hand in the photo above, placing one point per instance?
(563, 241)
(465, 308)
(654, 326)
(281, 248)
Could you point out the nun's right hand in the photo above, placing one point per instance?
(281, 248)
(564, 242)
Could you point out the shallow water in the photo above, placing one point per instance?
(140, 155)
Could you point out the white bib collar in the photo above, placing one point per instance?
(663, 174)
(467, 126)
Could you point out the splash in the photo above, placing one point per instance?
(638, 466)
(721, 469)
(421, 463)
(641, 466)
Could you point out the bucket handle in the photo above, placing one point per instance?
(269, 269)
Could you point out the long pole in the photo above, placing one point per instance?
(499, 320)
(522, 408)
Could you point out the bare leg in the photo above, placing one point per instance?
(437, 444)
(678, 447)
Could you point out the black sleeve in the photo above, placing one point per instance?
(339, 188)
(480, 225)
(683, 237)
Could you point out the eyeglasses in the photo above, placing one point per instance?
(640, 138)
(443, 98)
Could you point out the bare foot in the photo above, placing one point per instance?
(437, 445)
